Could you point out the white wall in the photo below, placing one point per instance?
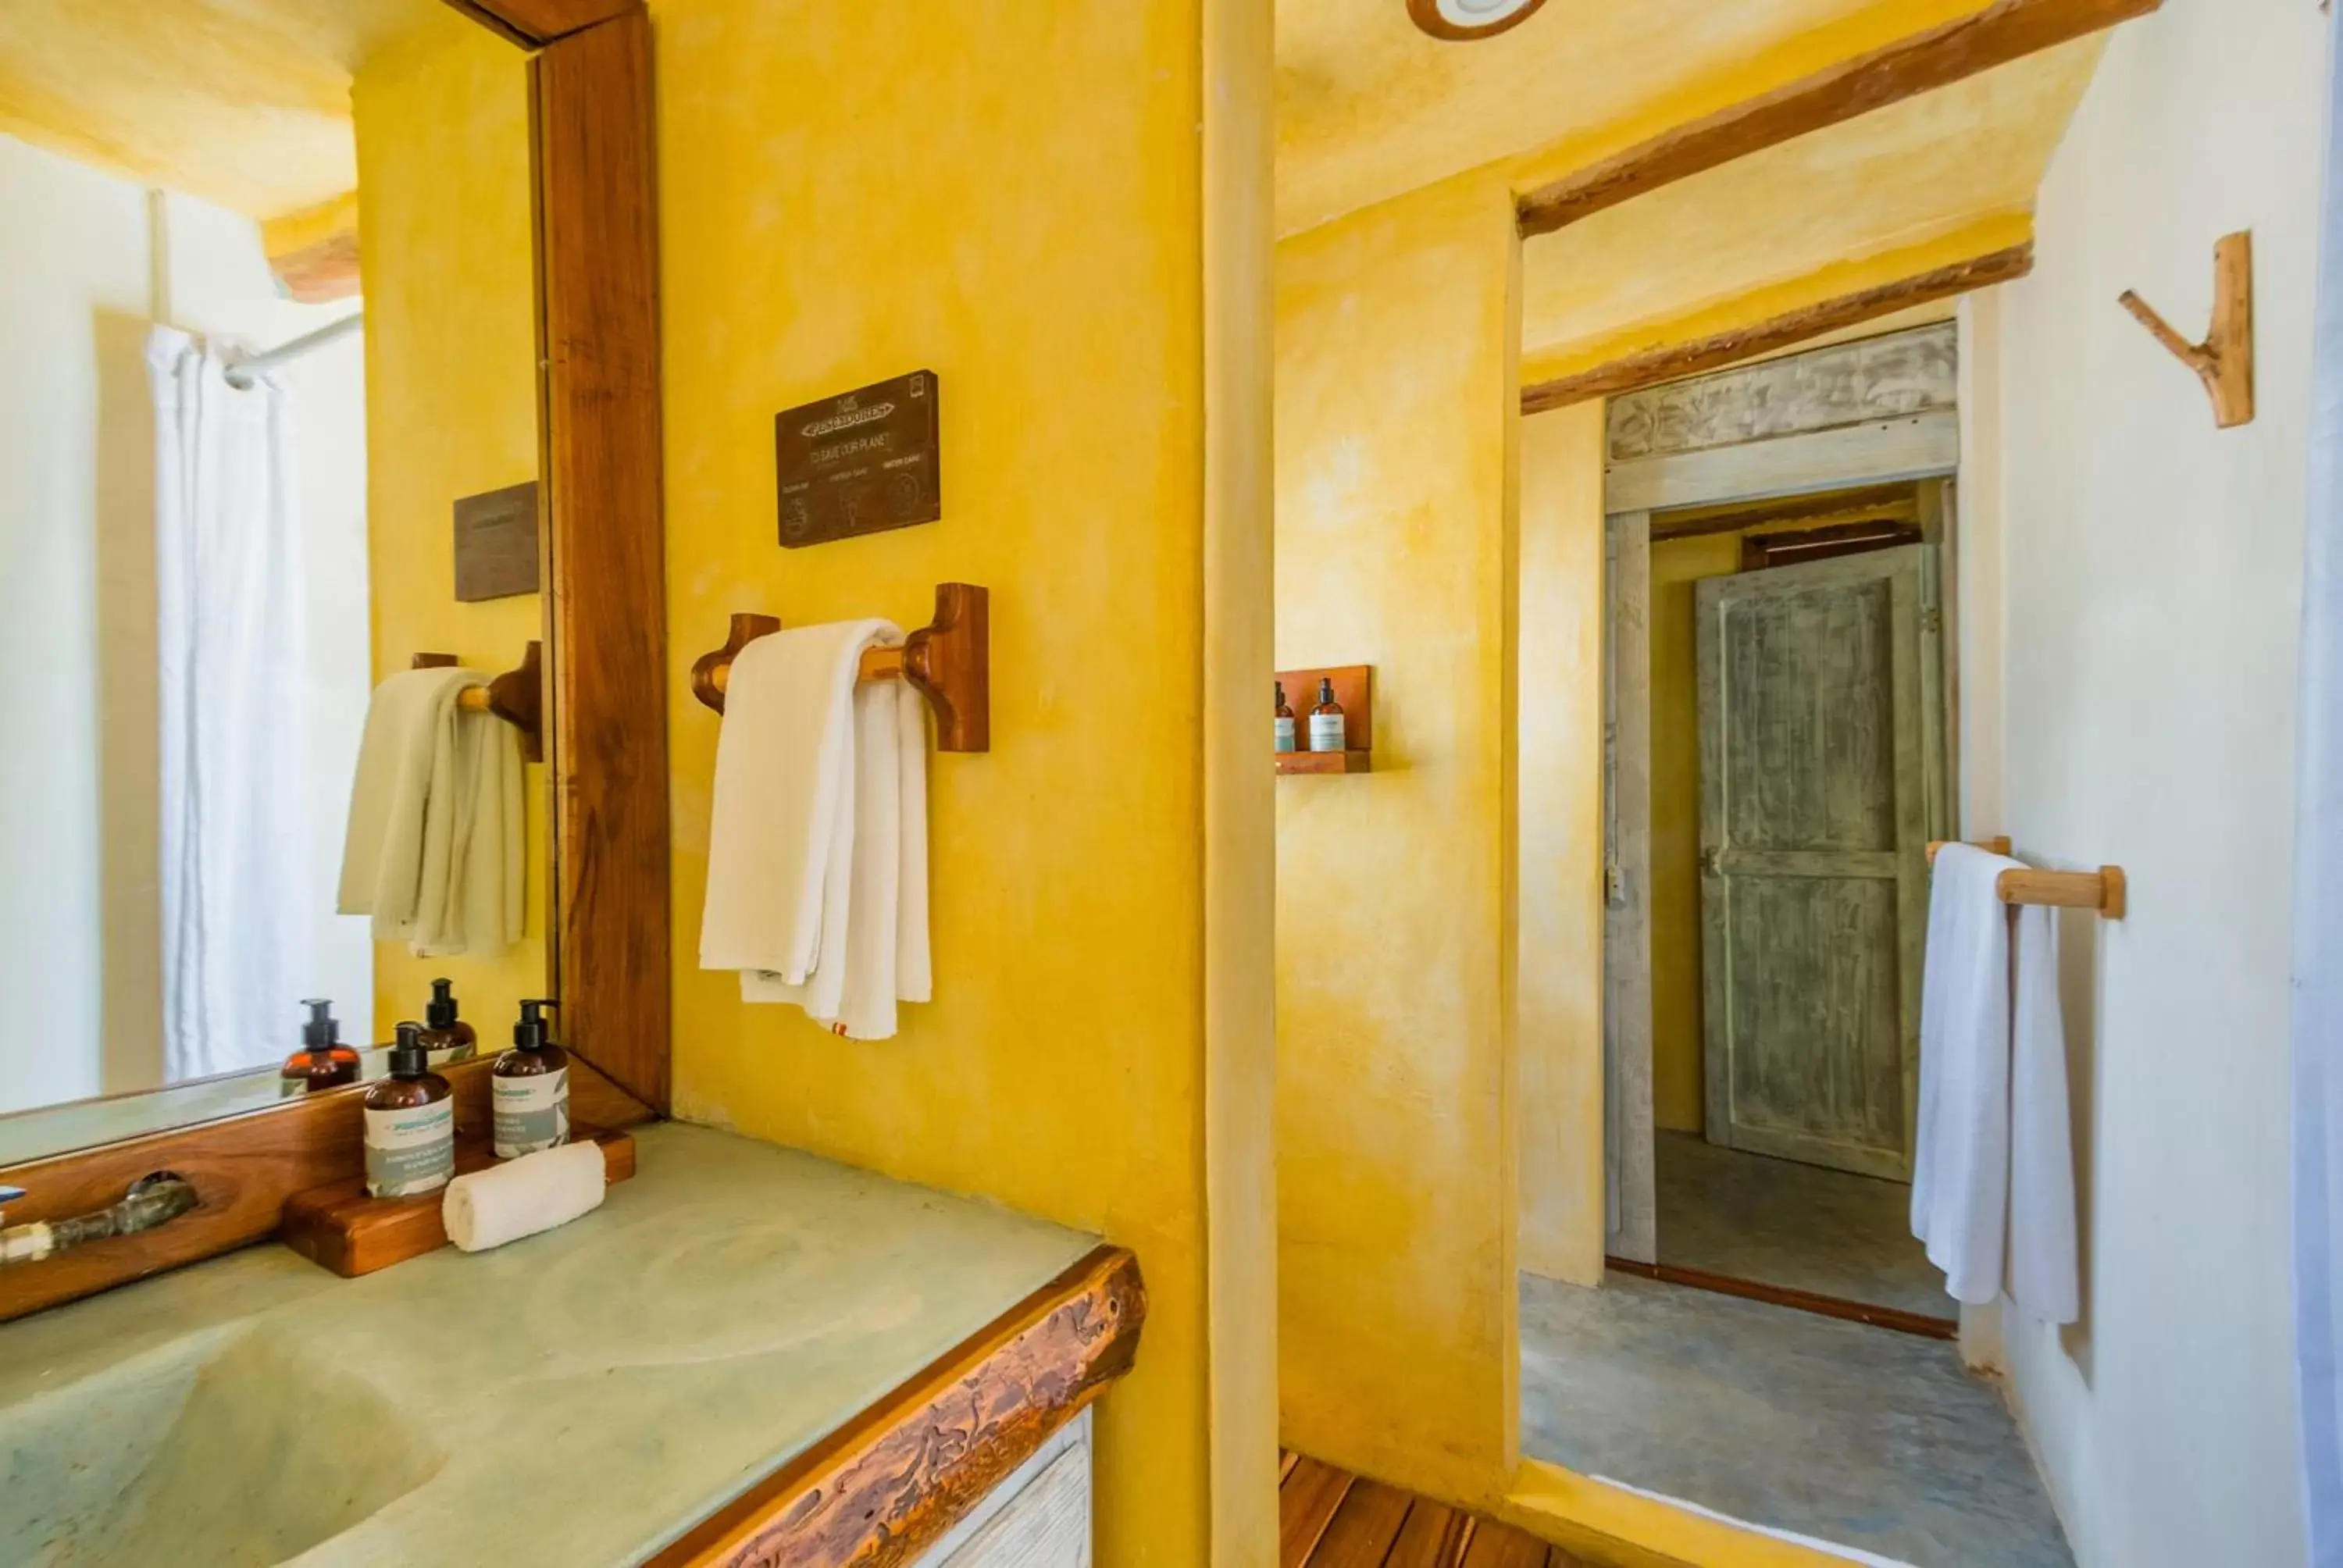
(2150, 568)
(87, 262)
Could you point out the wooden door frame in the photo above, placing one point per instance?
(603, 537)
(1925, 451)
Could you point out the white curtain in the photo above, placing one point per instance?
(235, 842)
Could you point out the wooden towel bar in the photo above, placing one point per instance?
(949, 661)
(516, 697)
(2103, 889)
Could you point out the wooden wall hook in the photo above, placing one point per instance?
(949, 661)
(516, 697)
(2224, 360)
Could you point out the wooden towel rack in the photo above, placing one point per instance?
(2103, 889)
(949, 661)
(516, 697)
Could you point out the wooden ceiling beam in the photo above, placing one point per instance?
(2005, 31)
(1674, 361)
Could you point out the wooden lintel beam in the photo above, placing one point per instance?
(2005, 31)
(1674, 361)
(533, 23)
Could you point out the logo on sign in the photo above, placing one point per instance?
(850, 414)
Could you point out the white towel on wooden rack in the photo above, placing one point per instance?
(1993, 1173)
(436, 850)
(817, 835)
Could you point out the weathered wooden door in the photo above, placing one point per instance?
(1822, 778)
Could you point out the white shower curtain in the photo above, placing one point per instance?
(235, 850)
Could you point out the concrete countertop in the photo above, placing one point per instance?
(590, 1394)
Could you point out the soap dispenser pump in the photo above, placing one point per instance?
(410, 1124)
(528, 1089)
(323, 1061)
(448, 1039)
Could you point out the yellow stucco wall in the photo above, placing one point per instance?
(1010, 196)
(1561, 1006)
(1676, 1059)
(1395, 412)
(1902, 190)
(444, 246)
(1369, 107)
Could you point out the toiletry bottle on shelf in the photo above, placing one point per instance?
(1327, 731)
(1284, 720)
(528, 1089)
(323, 1061)
(410, 1124)
(448, 1039)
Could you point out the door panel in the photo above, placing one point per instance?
(1816, 686)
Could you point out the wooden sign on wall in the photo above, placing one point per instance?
(495, 544)
(859, 463)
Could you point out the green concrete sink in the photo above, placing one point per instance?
(232, 1448)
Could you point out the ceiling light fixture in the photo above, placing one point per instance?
(1459, 20)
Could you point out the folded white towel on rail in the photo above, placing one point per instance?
(1993, 1174)
(817, 834)
(435, 848)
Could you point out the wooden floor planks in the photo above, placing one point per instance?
(1328, 1519)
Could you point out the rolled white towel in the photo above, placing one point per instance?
(521, 1197)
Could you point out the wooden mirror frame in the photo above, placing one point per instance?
(603, 543)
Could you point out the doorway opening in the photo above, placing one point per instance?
(1797, 753)
(1767, 1340)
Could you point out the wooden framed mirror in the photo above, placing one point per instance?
(601, 911)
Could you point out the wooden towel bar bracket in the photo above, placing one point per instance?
(2103, 889)
(949, 661)
(516, 697)
(2224, 360)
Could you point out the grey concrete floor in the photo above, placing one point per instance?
(1860, 1436)
(1779, 1222)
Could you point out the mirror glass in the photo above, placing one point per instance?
(266, 301)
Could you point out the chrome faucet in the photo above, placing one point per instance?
(153, 1198)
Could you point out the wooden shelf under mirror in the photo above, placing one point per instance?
(581, 84)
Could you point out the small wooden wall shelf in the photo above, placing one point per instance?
(2103, 889)
(949, 661)
(1355, 689)
(1351, 761)
(341, 1229)
(516, 697)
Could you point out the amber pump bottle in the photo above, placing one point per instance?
(1328, 731)
(1284, 720)
(410, 1124)
(528, 1089)
(323, 1061)
(447, 1037)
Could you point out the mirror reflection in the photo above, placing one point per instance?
(268, 287)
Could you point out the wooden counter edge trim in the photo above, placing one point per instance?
(890, 1482)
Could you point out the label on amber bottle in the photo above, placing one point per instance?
(410, 1149)
(1326, 732)
(1285, 733)
(529, 1113)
